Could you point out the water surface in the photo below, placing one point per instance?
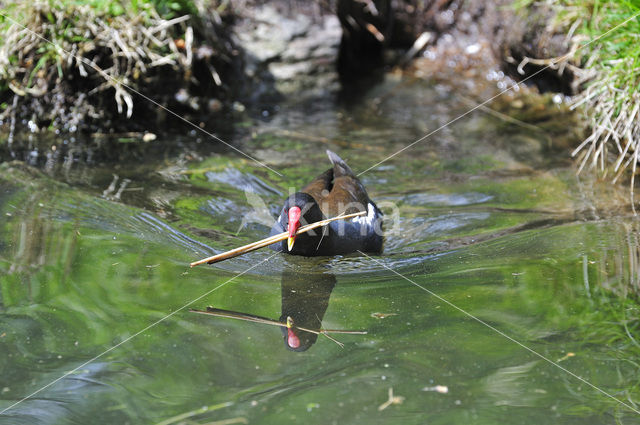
(94, 250)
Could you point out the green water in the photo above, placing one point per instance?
(479, 216)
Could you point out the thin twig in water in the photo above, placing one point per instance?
(271, 240)
(183, 416)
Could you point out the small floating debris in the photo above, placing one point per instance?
(392, 400)
(311, 406)
(383, 315)
(442, 389)
(567, 356)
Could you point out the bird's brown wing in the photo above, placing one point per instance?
(338, 190)
(321, 186)
(348, 196)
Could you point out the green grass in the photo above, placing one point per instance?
(612, 96)
(607, 37)
(48, 46)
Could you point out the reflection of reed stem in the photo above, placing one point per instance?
(211, 311)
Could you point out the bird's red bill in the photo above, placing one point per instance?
(292, 339)
(294, 220)
(294, 225)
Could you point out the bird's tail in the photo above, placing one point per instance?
(339, 165)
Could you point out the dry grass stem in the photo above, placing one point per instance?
(45, 42)
(271, 240)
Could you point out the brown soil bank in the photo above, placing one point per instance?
(490, 34)
(68, 67)
(103, 70)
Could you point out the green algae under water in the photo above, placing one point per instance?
(478, 215)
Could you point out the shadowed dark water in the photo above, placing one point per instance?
(92, 252)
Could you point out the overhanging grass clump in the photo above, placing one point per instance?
(610, 61)
(74, 65)
(611, 100)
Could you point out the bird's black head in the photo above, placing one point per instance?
(307, 204)
(299, 210)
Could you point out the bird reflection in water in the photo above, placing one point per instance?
(305, 299)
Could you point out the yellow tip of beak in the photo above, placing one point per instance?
(290, 242)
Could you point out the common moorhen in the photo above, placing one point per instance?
(334, 192)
